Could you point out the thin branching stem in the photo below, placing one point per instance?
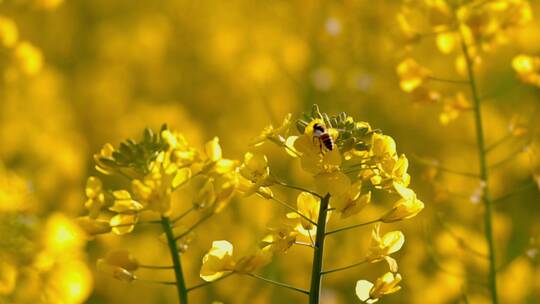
(304, 244)
(199, 222)
(499, 142)
(296, 188)
(311, 238)
(515, 191)
(507, 159)
(435, 164)
(484, 173)
(352, 227)
(344, 268)
(175, 255)
(181, 216)
(155, 267)
(278, 283)
(185, 182)
(284, 204)
(462, 243)
(135, 223)
(208, 283)
(318, 252)
(454, 81)
(123, 174)
(155, 281)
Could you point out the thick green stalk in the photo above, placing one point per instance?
(175, 254)
(316, 270)
(484, 174)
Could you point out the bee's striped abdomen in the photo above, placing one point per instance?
(327, 141)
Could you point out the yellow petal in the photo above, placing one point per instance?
(383, 145)
(29, 58)
(213, 149)
(335, 183)
(126, 206)
(290, 143)
(123, 223)
(93, 187)
(121, 195)
(217, 261)
(181, 177)
(92, 226)
(8, 32)
(393, 241)
(524, 64)
(362, 289)
(411, 74)
(403, 191)
(446, 42)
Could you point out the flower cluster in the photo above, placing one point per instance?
(155, 167)
(481, 25)
(358, 161)
(527, 68)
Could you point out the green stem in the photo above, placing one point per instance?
(344, 268)
(175, 254)
(200, 221)
(284, 204)
(484, 174)
(353, 226)
(516, 190)
(155, 267)
(296, 188)
(208, 283)
(435, 164)
(155, 281)
(278, 283)
(181, 216)
(316, 277)
(455, 81)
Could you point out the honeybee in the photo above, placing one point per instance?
(319, 133)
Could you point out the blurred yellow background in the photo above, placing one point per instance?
(76, 74)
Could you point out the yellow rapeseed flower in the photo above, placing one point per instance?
(274, 134)
(29, 58)
(381, 247)
(93, 226)
(123, 203)
(255, 174)
(123, 223)
(96, 196)
(352, 201)
(255, 261)
(453, 106)
(527, 68)
(314, 156)
(308, 205)
(105, 153)
(8, 32)
(411, 75)
(371, 293)
(280, 238)
(218, 261)
(406, 207)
